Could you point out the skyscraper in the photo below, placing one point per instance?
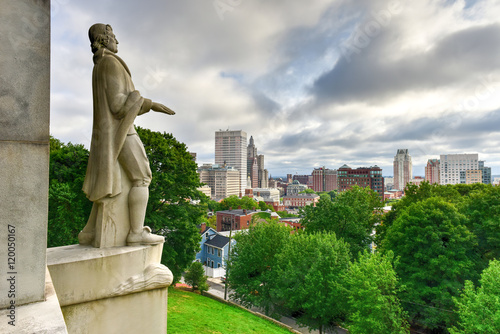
(403, 170)
(432, 171)
(452, 164)
(230, 149)
(252, 165)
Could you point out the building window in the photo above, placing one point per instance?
(218, 253)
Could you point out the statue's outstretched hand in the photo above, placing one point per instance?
(161, 108)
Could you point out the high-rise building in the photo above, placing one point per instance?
(223, 181)
(452, 164)
(432, 171)
(486, 171)
(263, 174)
(403, 172)
(231, 150)
(324, 179)
(363, 177)
(252, 165)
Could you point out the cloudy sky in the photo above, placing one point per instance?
(316, 83)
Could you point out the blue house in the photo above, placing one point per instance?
(213, 254)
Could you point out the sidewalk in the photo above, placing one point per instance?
(217, 290)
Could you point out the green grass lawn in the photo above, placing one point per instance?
(191, 313)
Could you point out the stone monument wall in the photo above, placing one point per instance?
(24, 150)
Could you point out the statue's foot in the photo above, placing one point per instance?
(144, 238)
(85, 238)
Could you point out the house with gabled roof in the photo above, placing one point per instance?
(214, 251)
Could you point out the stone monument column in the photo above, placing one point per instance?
(28, 303)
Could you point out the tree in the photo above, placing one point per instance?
(170, 212)
(434, 249)
(195, 276)
(482, 208)
(308, 279)
(479, 308)
(352, 215)
(374, 307)
(69, 208)
(251, 261)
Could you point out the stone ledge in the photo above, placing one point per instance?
(42, 317)
(84, 273)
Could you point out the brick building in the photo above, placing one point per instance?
(363, 177)
(240, 219)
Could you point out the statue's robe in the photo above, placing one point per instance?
(116, 104)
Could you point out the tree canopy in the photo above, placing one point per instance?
(434, 249)
(372, 289)
(479, 308)
(170, 211)
(69, 208)
(351, 215)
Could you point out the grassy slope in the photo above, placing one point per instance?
(192, 313)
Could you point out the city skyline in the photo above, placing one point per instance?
(317, 83)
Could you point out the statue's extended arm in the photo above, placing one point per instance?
(161, 108)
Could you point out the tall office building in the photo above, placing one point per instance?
(432, 171)
(223, 181)
(263, 174)
(452, 164)
(403, 170)
(252, 165)
(486, 171)
(231, 150)
(324, 179)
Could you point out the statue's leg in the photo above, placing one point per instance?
(137, 203)
(136, 165)
(86, 236)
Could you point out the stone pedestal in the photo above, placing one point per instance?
(111, 290)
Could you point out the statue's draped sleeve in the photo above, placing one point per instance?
(116, 104)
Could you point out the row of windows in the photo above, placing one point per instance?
(213, 251)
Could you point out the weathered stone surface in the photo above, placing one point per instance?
(42, 318)
(24, 146)
(142, 312)
(111, 290)
(25, 70)
(84, 273)
(23, 206)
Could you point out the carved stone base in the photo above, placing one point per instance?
(111, 290)
(109, 222)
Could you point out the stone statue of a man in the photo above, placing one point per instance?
(116, 148)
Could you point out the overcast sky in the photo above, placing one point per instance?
(316, 83)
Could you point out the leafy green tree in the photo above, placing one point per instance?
(69, 208)
(416, 193)
(372, 286)
(352, 215)
(307, 191)
(234, 202)
(263, 206)
(196, 278)
(479, 308)
(307, 279)
(434, 249)
(482, 208)
(170, 212)
(251, 261)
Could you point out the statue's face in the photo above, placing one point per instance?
(112, 41)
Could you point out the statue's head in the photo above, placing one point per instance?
(101, 36)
